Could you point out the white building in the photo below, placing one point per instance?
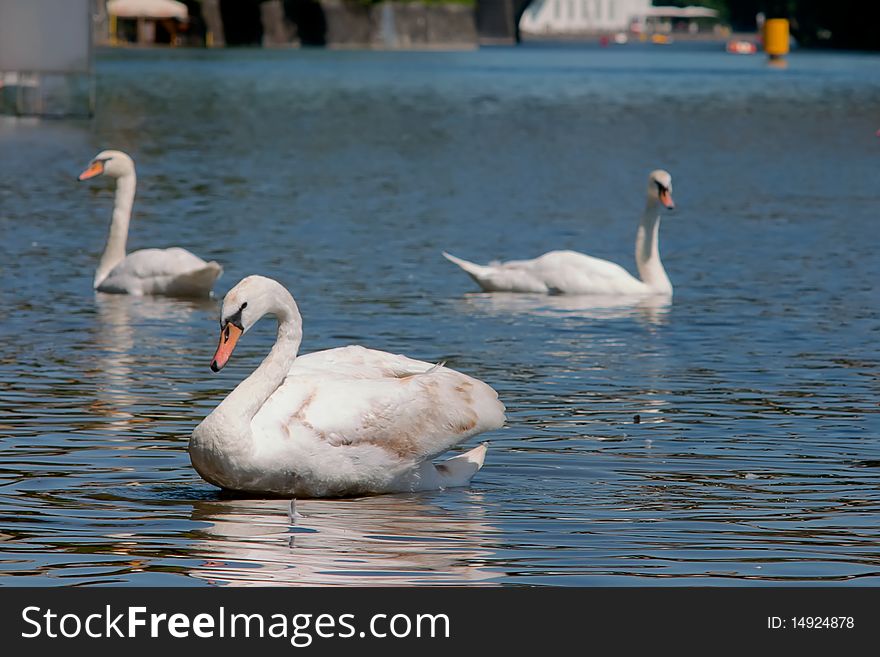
(684, 19)
(581, 16)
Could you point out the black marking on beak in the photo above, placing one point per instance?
(663, 190)
(234, 319)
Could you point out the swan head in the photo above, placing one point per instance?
(660, 188)
(115, 164)
(244, 305)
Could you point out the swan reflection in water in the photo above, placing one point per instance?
(652, 310)
(389, 540)
(132, 337)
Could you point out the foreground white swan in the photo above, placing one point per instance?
(570, 272)
(346, 421)
(170, 272)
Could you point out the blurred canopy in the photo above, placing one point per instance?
(148, 9)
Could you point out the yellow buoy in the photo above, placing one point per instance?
(776, 37)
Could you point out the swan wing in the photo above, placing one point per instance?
(162, 271)
(566, 272)
(571, 272)
(355, 397)
(359, 362)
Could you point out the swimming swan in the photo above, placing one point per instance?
(570, 272)
(345, 421)
(170, 272)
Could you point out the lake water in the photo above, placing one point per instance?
(344, 174)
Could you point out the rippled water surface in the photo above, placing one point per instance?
(344, 174)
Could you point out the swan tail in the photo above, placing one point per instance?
(478, 272)
(196, 283)
(459, 470)
(471, 268)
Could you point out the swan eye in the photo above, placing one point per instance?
(234, 320)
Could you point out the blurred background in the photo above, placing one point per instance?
(443, 23)
(47, 46)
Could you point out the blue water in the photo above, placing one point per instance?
(344, 174)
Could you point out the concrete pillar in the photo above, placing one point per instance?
(496, 21)
(276, 30)
(213, 23)
(101, 25)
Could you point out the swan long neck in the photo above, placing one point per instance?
(248, 397)
(648, 261)
(114, 251)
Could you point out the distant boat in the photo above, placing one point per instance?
(741, 47)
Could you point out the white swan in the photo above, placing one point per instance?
(170, 272)
(570, 272)
(346, 421)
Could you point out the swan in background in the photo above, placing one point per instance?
(570, 272)
(345, 421)
(171, 272)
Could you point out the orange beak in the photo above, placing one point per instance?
(95, 169)
(229, 336)
(666, 199)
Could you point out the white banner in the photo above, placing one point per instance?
(46, 36)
